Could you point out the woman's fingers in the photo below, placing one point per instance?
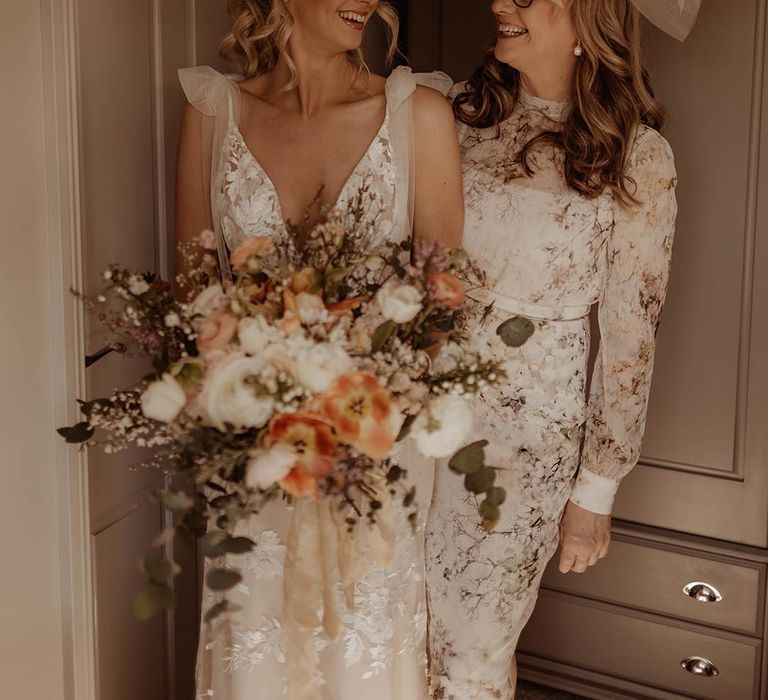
(584, 539)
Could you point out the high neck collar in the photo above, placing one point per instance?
(554, 109)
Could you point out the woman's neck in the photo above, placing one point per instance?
(321, 78)
(555, 85)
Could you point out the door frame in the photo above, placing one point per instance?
(64, 195)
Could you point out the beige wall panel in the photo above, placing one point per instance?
(131, 653)
(692, 419)
(717, 331)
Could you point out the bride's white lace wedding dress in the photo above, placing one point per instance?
(380, 653)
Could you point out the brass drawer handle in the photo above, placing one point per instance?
(699, 666)
(703, 592)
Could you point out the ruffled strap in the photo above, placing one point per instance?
(207, 89)
(400, 87)
(216, 96)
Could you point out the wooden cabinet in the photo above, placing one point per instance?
(695, 510)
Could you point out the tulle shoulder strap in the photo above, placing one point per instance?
(437, 80)
(216, 96)
(207, 89)
(401, 85)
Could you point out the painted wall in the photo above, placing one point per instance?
(31, 647)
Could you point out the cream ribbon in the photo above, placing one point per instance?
(323, 557)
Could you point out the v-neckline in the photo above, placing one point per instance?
(271, 185)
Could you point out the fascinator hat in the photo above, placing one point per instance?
(675, 17)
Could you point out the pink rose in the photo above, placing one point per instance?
(216, 331)
(447, 290)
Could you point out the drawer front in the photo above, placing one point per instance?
(642, 648)
(644, 576)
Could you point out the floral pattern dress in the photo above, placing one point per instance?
(380, 653)
(549, 254)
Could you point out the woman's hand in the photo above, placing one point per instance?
(584, 538)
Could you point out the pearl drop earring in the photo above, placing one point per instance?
(578, 50)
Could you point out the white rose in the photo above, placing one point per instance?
(443, 426)
(208, 300)
(256, 334)
(163, 400)
(399, 303)
(230, 399)
(319, 364)
(266, 468)
(138, 286)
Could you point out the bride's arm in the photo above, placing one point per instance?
(439, 199)
(192, 197)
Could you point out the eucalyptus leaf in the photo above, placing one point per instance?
(469, 459)
(496, 496)
(78, 433)
(237, 545)
(158, 568)
(178, 501)
(480, 481)
(515, 331)
(382, 335)
(222, 579)
(211, 544)
(489, 511)
(405, 428)
(152, 600)
(489, 525)
(164, 537)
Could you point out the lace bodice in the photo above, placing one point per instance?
(550, 253)
(250, 203)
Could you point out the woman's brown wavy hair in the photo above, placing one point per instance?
(261, 30)
(612, 95)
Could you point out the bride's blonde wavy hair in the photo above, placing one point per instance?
(612, 95)
(261, 30)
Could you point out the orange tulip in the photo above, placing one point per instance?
(361, 411)
(314, 442)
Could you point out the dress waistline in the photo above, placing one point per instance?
(536, 312)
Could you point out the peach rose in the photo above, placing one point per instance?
(216, 331)
(252, 247)
(447, 290)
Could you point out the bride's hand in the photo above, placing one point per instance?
(584, 538)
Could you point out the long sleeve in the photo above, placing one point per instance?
(638, 264)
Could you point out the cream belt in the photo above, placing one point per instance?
(539, 312)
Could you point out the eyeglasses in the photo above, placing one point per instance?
(523, 3)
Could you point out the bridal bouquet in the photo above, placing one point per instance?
(294, 377)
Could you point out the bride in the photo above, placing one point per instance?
(308, 118)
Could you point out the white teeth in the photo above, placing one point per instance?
(512, 30)
(353, 17)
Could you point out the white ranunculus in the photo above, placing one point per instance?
(267, 467)
(319, 364)
(208, 300)
(443, 426)
(229, 398)
(256, 334)
(399, 303)
(163, 400)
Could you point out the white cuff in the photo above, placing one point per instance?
(594, 492)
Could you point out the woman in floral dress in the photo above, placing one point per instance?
(570, 200)
(307, 118)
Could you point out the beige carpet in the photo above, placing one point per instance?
(530, 691)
